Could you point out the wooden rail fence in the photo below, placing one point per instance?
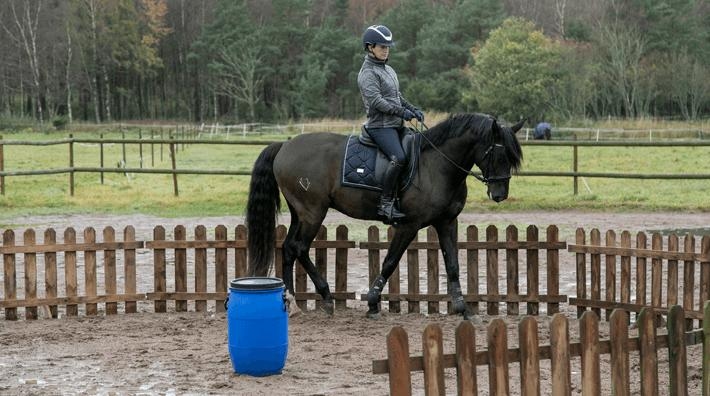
(102, 270)
(561, 351)
(630, 290)
(189, 135)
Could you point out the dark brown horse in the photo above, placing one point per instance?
(307, 171)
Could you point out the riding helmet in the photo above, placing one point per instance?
(377, 34)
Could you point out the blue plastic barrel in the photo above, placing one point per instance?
(257, 326)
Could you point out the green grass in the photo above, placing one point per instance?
(206, 195)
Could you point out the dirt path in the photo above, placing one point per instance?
(186, 353)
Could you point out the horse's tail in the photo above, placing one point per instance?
(262, 207)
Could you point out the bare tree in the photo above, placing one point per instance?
(560, 6)
(238, 77)
(93, 76)
(623, 49)
(689, 84)
(67, 75)
(24, 34)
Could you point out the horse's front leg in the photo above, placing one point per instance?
(402, 237)
(447, 241)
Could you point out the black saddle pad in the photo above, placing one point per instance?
(364, 165)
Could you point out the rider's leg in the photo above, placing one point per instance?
(388, 141)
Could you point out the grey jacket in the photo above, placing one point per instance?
(379, 88)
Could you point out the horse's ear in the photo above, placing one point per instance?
(519, 125)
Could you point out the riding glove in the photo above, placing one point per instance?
(408, 115)
(419, 115)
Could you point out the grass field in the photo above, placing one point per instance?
(218, 195)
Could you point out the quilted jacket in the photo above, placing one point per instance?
(379, 88)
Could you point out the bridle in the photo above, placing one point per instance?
(486, 155)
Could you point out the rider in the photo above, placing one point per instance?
(385, 108)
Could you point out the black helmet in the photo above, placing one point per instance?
(377, 34)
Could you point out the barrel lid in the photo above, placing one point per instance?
(256, 283)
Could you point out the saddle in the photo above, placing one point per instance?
(364, 164)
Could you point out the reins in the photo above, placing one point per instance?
(480, 178)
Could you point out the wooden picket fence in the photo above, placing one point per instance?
(115, 289)
(471, 286)
(179, 268)
(561, 351)
(621, 283)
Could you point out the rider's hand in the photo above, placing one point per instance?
(419, 115)
(408, 115)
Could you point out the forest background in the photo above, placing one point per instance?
(244, 61)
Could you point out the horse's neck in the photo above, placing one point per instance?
(455, 153)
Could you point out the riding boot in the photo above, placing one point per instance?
(390, 183)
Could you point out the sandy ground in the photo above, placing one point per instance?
(186, 353)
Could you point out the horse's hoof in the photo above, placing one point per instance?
(328, 307)
(475, 320)
(373, 314)
(459, 307)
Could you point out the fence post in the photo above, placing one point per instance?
(50, 270)
(394, 281)
(589, 338)
(152, 149)
(648, 359)
(498, 375)
(677, 357)
(512, 281)
(433, 351)
(575, 166)
(2, 166)
(432, 269)
(140, 149)
(9, 273)
(706, 348)
(71, 165)
(560, 356)
(172, 160)
(619, 336)
(123, 147)
(466, 359)
(220, 272)
(341, 266)
(159, 264)
(398, 362)
(492, 271)
(129, 268)
(101, 157)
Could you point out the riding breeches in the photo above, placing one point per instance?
(388, 141)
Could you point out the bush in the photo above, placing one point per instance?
(60, 122)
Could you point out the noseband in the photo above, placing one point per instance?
(487, 154)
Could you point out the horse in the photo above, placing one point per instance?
(306, 170)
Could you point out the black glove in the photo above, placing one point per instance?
(408, 115)
(419, 115)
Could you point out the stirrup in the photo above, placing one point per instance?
(388, 210)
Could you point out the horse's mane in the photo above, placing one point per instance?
(484, 125)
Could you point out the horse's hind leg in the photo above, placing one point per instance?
(296, 246)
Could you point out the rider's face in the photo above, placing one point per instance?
(380, 52)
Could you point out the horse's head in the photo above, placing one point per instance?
(500, 159)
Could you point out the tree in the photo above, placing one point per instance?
(238, 76)
(23, 32)
(687, 81)
(444, 51)
(514, 71)
(622, 49)
(231, 31)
